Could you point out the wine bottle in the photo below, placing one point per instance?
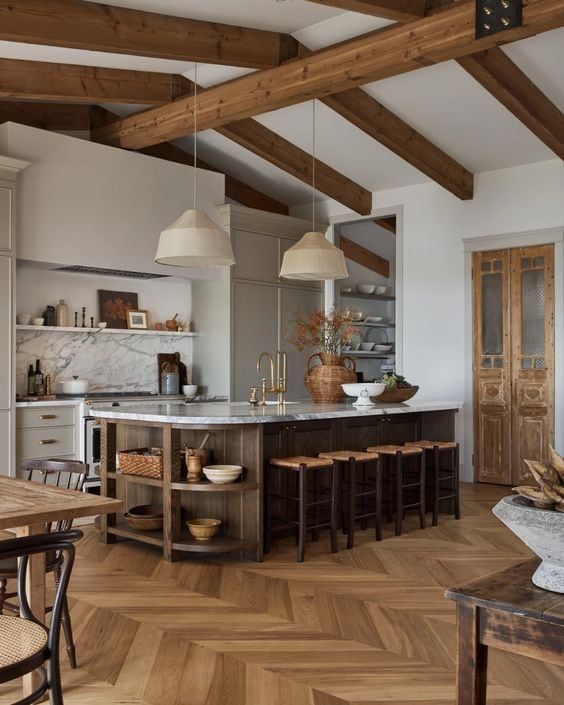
(38, 377)
(30, 381)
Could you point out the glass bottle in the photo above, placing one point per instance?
(62, 313)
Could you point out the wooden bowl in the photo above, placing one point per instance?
(146, 511)
(144, 523)
(203, 529)
(396, 396)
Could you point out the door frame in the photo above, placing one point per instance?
(549, 236)
(350, 217)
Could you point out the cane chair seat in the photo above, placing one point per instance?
(344, 456)
(296, 461)
(394, 449)
(20, 640)
(430, 445)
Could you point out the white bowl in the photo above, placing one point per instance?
(363, 391)
(366, 347)
(23, 319)
(366, 288)
(381, 290)
(102, 324)
(190, 390)
(37, 321)
(221, 474)
(380, 347)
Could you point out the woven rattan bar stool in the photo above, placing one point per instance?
(397, 472)
(303, 468)
(358, 487)
(440, 454)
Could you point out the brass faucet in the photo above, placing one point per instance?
(278, 387)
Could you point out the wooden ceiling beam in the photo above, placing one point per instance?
(397, 10)
(41, 80)
(234, 188)
(381, 124)
(495, 71)
(365, 257)
(46, 116)
(77, 24)
(448, 34)
(295, 161)
(388, 223)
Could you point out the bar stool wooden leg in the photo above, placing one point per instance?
(351, 503)
(302, 513)
(266, 510)
(399, 493)
(422, 473)
(315, 532)
(456, 465)
(363, 521)
(334, 506)
(388, 481)
(437, 484)
(379, 499)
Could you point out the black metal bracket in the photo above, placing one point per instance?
(493, 16)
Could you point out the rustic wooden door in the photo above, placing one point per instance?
(492, 366)
(513, 361)
(532, 364)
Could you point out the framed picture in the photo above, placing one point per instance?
(114, 305)
(137, 320)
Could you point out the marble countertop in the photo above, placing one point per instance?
(51, 402)
(244, 413)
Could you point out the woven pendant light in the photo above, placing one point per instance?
(194, 240)
(313, 257)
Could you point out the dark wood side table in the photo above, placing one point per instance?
(506, 611)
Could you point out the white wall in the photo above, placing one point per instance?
(433, 324)
(85, 203)
(162, 298)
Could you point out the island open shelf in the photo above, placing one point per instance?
(242, 435)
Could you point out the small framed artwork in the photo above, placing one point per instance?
(114, 306)
(137, 320)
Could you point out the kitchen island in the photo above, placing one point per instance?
(243, 435)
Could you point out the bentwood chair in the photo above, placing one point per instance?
(27, 645)
(66, 474)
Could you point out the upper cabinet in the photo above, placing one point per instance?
(5, 218)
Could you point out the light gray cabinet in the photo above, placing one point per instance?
(9, 169)
(6, 331)
(257, 302)
(255, 329)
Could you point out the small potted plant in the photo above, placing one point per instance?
(327, 332)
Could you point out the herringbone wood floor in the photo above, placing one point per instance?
(362, 627)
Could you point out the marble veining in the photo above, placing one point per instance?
(118, 362)
(244, 413)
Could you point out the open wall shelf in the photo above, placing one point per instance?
(104, 331)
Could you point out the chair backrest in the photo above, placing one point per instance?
(60, 543)
(66, 474)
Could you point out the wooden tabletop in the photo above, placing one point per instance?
(23, 503)
(512, 590)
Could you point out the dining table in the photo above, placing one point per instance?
(28, 508)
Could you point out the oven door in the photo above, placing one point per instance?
(92, 454)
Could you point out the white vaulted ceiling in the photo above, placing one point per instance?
(442, 102)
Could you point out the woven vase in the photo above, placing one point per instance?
(324, 381)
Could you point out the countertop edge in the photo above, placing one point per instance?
(347, 411)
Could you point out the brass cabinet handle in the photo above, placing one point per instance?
(43, 417)
(46, 441)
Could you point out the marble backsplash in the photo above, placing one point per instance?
(118, 362)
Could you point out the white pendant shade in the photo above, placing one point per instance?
(314, 258)
(194, 241)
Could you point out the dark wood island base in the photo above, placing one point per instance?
(260, 436)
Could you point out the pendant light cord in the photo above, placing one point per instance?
(195, 130)
(313, 164)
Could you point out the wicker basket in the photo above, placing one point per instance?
(135, 462)
(324, 381)
(396, 396)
